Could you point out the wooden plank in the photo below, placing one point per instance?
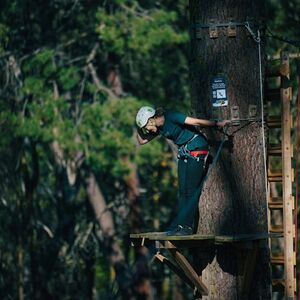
(189, 271)
(274, 121)
(278, 56)
(287, 187)
(145, 234)
(275, 203)
(274, 150)
(201, 238)
(277, 258)
(276, 228)
(192, 237)
(274, 175)
(278, 284)
(241, 238)
(174, 268)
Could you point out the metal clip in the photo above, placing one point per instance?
(252, 112)
(213, 30)
(231, 29)
(235, 115)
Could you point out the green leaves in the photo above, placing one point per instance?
(3, 37)
(128, 29)
(106, 130)
(69, 77)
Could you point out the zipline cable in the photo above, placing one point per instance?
(257, 39)
(262, 114)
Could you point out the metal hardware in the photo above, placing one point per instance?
(252, 112)
(213, 30)
(235, 115)
(231, 29)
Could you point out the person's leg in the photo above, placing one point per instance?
(192, 189)
(176, 227)
(182, 169)
(190, 174)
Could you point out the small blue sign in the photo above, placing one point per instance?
(219, 91)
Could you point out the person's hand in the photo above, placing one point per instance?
(223, 123)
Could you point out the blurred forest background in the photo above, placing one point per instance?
(73, 74)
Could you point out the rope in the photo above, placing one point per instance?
(262, 114)
(295, 43)
(257, 39)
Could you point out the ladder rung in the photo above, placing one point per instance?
(274, 122)
(277, 258)
(278, 284)
(276, 228)
(274, 176)
(275, 203)
(274, 179)
(274, 149)
(272, 94)
(277, 71)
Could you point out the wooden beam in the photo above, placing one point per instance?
(287, 188)
(189, 271)
(174, 268)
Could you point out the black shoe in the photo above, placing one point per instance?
(180, 230)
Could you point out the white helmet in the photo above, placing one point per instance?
(143, 115)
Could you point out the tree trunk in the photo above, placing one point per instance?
(233, 200)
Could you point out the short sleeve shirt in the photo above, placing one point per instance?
(175, 129)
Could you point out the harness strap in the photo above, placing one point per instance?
(198, 152)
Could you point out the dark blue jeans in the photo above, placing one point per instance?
(190, 176)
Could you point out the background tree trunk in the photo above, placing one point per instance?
(233, 200)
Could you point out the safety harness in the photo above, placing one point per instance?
(184, 153)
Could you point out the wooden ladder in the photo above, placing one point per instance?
(279, 153)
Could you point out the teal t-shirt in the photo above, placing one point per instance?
(180, 133)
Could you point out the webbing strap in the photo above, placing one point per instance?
(216, 157)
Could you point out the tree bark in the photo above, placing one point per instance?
(233, 200)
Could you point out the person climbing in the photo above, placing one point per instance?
(193, 151)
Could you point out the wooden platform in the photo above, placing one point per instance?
(197, 239)
(249, 242)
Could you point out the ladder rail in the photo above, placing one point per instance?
(285, 202)
(288, 225)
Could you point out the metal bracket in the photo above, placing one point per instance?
(235, 115)
(231, 29)
(213, 30)
(252, 112)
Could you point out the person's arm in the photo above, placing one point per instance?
(144, 138)
(205, 123)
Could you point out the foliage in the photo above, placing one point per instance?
(54, 108)
(51, 245)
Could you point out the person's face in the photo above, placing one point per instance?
(150, 126)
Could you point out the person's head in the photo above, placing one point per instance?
(146, 118)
